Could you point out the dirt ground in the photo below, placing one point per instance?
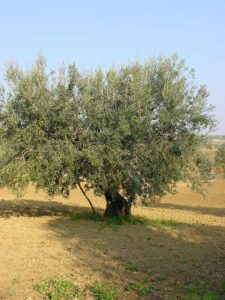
(39, 241)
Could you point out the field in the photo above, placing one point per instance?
(179, 253)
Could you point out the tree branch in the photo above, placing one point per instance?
(85, 195)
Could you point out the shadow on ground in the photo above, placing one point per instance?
(35, 208)
(220, 212)
(188, 253)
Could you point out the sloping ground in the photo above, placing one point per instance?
(218, 141)
(39, 241)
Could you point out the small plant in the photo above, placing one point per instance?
(132, 267)
(102, 292)
(141, 287)
(57, 289)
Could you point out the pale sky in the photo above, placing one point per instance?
(101, 32)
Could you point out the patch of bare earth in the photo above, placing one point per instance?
(38, 241)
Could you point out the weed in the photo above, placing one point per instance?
(141, 287)
(102, 292)
(57, 289)
(132, 267)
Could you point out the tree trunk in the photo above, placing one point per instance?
(116, 205)
(89, 201)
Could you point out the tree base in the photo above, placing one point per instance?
(116, 205)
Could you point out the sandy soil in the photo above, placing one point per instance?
(39, 241)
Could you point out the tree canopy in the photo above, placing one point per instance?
(129, 131)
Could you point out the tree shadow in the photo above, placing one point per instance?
(220, 212)
(186, 253)
(36, 208)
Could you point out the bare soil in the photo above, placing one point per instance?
(39, 241)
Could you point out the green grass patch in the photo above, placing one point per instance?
(87, 216)
(197, 291)
(223, 286)
(164, 223)
(122, 220)
(119, 220)
(132, 267)
(141, 287)
(102, 292)
(159, 277)
(57, 289)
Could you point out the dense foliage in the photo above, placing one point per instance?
(128, 131)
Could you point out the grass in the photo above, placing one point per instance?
(121, 220)
(164, 223)
(132, 267)
(159, 278)
(57, 289)
(223, 286)
(87, 216)
(102, 292)
(141, 287)
(66, 290)
(197, 291)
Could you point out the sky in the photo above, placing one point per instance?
(101, 33)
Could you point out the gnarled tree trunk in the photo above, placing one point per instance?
(116, 205)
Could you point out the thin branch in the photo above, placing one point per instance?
(85, 195)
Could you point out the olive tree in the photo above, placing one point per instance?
(131, 131)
